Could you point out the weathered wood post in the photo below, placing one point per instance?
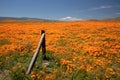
(37, 51)
(43, 46)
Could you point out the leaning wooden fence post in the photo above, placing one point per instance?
(36, 53)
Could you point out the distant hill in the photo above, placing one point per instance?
(22, 19)
(12, 19)
(106, 19)
(112, 19)
(93, 20)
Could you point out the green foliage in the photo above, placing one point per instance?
(17, 64)
(2, 61)
(19, 75)
(61, 42)
(79, 75)
(49, 55)
(4, 41)
(109, 40)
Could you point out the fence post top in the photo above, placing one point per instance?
(42, 31)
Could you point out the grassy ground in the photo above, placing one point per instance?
(86, 50)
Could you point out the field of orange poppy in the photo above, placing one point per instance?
(82, 50)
